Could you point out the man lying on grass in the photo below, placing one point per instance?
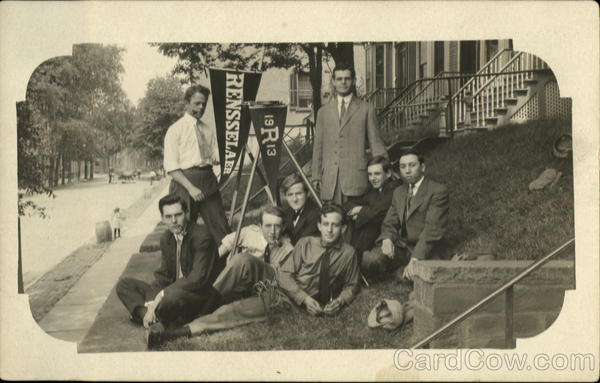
(322, 272)
(263, 250)
(182, 289)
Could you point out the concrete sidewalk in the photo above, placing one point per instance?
(73, 315)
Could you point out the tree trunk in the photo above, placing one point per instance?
(92, 169)
(69, 170)
(55, 170)
(62, 168)
(315, 64)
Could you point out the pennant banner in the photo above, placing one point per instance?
(230, 88)
(269, 127)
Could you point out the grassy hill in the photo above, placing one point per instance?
(491, 209)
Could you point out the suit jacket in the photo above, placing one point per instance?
(426, 220)
(375, 205)
(341, 147)
(198, 261)
(307, 222)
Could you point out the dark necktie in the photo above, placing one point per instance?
(268, 254)
(296, 217)
(410, 195)
(342, 110)
(324, 289)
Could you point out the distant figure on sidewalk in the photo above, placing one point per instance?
(302, 214)
(116, 223)
(182, 289)
(190, 150)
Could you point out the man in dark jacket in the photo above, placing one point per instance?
(182, 289)
(301, 215)
(369, 211)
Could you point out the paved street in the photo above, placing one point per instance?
(72, 222)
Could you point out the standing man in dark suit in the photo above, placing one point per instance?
(415, 224)
(182, 289)
(302, 214)
(190, 150)
(345, 128)
(369, 211)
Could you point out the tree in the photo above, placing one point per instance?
(194, 59)
(161, 106)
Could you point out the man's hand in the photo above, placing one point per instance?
(333, 307)
(313, 307)
(409, 270)
(387, 248)
(355, 210)
(196, 193)
(150, 316)
(316, 184)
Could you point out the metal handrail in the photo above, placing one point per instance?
(409, 87)
(508, 287)
(489, 63)
(500, 72)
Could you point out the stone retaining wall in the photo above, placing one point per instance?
(445, 289)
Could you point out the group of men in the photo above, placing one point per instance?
(369, 223)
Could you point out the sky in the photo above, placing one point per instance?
(143, 63)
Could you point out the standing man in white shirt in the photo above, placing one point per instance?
(190, 150)
(345, 128)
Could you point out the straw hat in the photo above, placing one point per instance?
(388, 314)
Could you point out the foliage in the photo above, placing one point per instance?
(161, 106)
(75, 109)
(194, 59)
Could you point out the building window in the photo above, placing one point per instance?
(300, 90)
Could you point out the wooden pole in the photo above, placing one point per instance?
(244, 205)
(237, 185)
(261, 175)
(20, 289)
(304, 178)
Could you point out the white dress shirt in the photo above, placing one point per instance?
(253, 242)
(182, 148)
(415, 187)
(346, 99)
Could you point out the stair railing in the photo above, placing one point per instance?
(489, 89)
(502, 86)
(423, 96)
(508, 290)
(381, 97)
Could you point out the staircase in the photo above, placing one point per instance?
(511, 87)
(499, 91)
(419, 110)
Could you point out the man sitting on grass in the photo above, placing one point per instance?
(322, 272)
(263, 250)
(301, 215)
(415, 224)
(182, 289)
(369, 211)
